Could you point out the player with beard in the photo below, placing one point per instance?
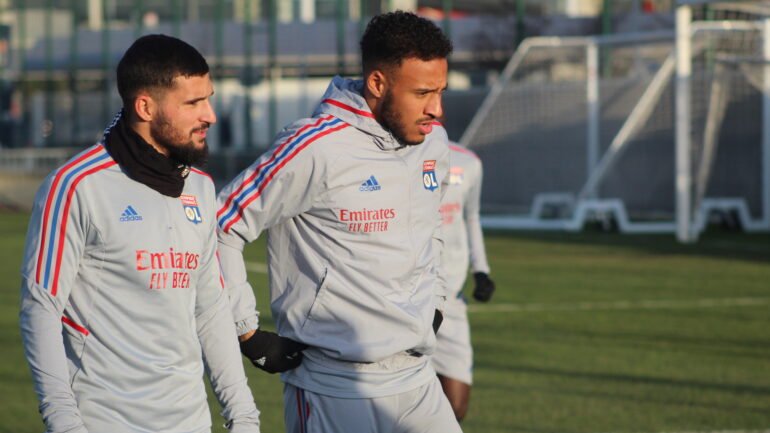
(122, 301)
(350, 201)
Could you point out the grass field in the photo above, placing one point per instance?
(589, 332)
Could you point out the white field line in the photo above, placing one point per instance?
(260, 268)
(620, 305)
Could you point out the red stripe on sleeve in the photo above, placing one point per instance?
(463, 150)
(267, 180)
(65, 217)
(51, 194)
(195, 170)
(260, 166)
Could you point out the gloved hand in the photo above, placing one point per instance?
(438, 317)
(271, 352)
(484, 287)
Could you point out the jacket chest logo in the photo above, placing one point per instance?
(190, 206)
(429, 175)
(455, 175)
(370, 184)
(130, 214)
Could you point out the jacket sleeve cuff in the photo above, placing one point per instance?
(246, 325)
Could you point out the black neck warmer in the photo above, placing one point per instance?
(142, 162)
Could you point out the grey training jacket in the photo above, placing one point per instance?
(463, 239)
(122, 304)
(352, 218)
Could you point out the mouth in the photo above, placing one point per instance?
(200, 133)
(425, 127)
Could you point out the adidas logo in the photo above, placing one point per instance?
(371, 184)
(130, 215)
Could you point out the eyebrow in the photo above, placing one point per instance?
(428, 90)
(194, 100)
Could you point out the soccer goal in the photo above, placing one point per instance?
(592, 129)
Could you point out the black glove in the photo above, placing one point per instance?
(438, 317)
(484, 287)
(271, 352)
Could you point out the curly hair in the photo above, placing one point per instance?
(152, 62)
(392, 37)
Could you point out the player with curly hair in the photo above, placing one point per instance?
(350, 201)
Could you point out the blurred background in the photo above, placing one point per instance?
(571, 104)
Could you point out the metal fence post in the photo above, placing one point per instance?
(520, 11)
(362, 18)
(49, 125)
(219, 69)
(446, 6)
(139, 24)
(73, 77)
(247, 30)
(25, 118)
(106, 108)
(177, 18)
(766, 123)
(606, 30)
(339, 19)
(272, 69)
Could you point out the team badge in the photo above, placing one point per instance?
(429, 175)
(455, 175)
(190, 206)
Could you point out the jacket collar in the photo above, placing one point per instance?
(343, 99)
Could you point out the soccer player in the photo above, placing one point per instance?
(463, 243)
(123, 302)
(350, 200)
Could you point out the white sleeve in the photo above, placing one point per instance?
(55, 245)
(279, 185)
(472, 209)
(219, 342)
(441, 289)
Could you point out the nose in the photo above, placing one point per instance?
(434, 108)
(208, 114)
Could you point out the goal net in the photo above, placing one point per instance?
(583, 129)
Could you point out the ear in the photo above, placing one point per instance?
(376, 83)
(144, 107)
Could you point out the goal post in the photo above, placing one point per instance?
(655, 132)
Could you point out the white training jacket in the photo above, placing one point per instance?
(122, 302)
(463, 239)
(352, 217)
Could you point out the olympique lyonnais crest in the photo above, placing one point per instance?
(455, 175)
(429, 175)
(190, 206)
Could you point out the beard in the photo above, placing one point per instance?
(180, 148)
(392, 121)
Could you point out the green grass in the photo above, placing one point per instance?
(602, 369)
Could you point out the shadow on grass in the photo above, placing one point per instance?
(668, 400)
(628, 379)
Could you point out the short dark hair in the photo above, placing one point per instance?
(392, 37)
(153, 62)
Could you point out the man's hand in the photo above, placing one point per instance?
(271, 352)
(484, 287)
